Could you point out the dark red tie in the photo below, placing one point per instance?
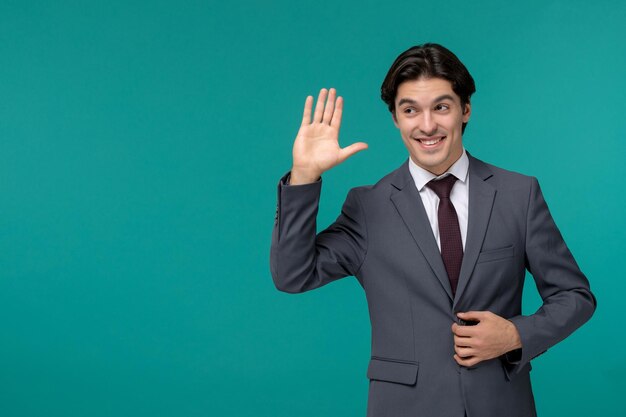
(449, 231)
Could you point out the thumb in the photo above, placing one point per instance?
(350, 150)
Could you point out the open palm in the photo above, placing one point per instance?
(316, 148)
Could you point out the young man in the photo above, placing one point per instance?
(440, 246)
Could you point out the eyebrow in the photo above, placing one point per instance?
(436, 100)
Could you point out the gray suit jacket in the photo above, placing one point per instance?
(384, 239)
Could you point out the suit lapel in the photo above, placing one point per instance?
(409, 204)
(481, 197)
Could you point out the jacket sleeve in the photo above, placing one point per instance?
(300, 259)
(567, 299)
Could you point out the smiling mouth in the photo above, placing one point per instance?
(430, 142)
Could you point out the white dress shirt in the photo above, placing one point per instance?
(459, 194)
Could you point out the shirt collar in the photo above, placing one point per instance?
(421, 177)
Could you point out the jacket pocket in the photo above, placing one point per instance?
(390, 370)
(496, 254)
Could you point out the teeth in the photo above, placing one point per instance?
(430, 142)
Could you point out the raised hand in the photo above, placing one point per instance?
(316, 148)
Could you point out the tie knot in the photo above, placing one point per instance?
(443, 186)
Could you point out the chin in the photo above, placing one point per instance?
(428, 160)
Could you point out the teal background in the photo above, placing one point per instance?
(140, 146)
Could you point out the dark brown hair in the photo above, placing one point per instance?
(429, 60)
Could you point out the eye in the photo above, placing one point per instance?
(442, 107)
(409, 110)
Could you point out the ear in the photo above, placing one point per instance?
(467, 111)
(395, 120)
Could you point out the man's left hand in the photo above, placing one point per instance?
(492, 337)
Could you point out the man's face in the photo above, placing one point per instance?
(430, 118)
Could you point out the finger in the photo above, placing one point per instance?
(467, 362)
(319, 106)
(308, 106)
(473, 315)
(330, 106)
(348, 151)
(336, 120)
(464, 352)
(463, 331)
(462, 341)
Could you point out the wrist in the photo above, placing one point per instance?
(300, 176)
(516, 340)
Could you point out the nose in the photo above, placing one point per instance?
(428, 125)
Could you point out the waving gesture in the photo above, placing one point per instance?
(316, 148)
